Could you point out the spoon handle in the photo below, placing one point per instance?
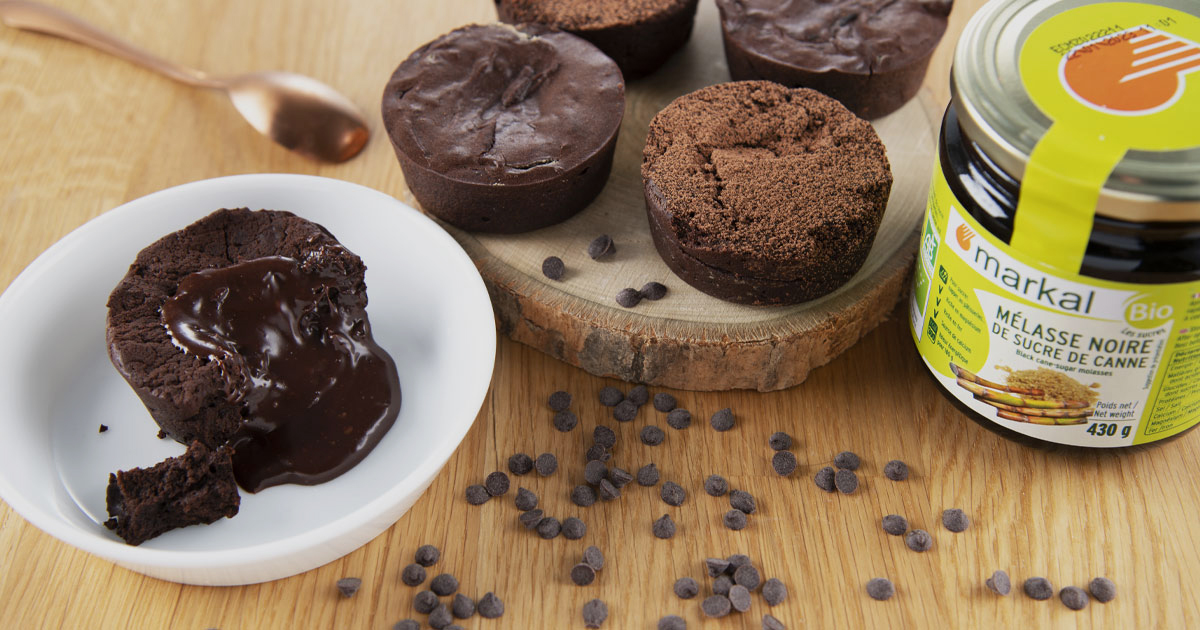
(32, 16)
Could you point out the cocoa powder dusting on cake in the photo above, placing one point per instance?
(590, 14)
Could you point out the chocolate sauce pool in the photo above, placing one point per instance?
(317, 392)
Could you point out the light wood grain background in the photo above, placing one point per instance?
(82, 133)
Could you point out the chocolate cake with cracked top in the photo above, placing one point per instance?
(869, 54)
(761, 194)
(640, 35)
(248, 329)
(505, 129)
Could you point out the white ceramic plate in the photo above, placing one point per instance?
(428, 308)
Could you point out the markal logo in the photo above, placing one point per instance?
(963, 236)
(1135, 72)
(1028, 283)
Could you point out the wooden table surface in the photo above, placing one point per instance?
(83, 133)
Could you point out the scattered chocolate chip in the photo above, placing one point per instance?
(565, 421)
(774, 591)
(716, 606)
(424, 602)
(737, 561)
(1038, 588)
(673, 493)
(594, 613)
(610, 396)
(454, 626)
(672, 622)
(1073, 597)
(520, 464)
(573, 528)
(349, 586)
(531, 518)
(647, 475)
(739, 598)
(594, 557)
(413, 574)
(846, 461)
(583, 574)
(545, 464)
(583, 496)
(619, 477)
(742, 500)
(103, 428)
(444, 584)
(560, 400)
(594, 472)
(784, 463)
(918, 540)
(549, 528)
(664, 402)
(664, 527)
(716, 566)
(462, 607)
(955, 520)
(846, 481)
(553, 268)
(895, 470)
(625, 411)
(880, 589)
(747, 576)
(679, 419)
(639, 395)
(722, 420)
(427, 555)
(780, 441)
(999, 583)
(722, 584)
(440, 617)
(824, 479)
(686, 588)
(652, 435)
(1102, 589)
(477, 494)
(525, 500)
(489, 606)
(716, 486)
(895, 524)
(496, 483)
(407, 624)
(653, 290)
(628, 297)
(604, 436)
(769, 622)
(601, 246)
(607, 491)
(598, 453)
(162, 435)
(735, 520)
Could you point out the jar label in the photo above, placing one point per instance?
(1053, 355)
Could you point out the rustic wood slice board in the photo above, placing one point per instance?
(689, 340)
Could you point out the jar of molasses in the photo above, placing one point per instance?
(1057, 288)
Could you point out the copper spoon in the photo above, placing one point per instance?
(300, 113)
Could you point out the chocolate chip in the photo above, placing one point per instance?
(625, 411)
(565, 421)
(722, 584)
(722, 420)
(664, 402)
(880, 589)
(639, 395)
(918, 540)
(846, 461)
(545, 464)
(103, 428)
(424, 602)
(739, 597)
(628, 297)
(1102, 589)
(604, 436)
(520, 464)
(496, 484)
(427, 555)
(549, 528)
(664, 527)
(443, 584)
(559, 400)
(583, 496)
(525, 500)
(407, 624)
(672, 622)
(607, 491)
(413, 574)
(573, 528)
(462, 607)
(594, 613)
(673, 493)
(1073, 597)
(716, 606)
(771, 623)
(531, 518)
(1038, 588)
(895, 470)
(780, 441)
(594, 557)
(784, 463)
(597, 453)
(999, 583)
(583, 574)
(610, 396)
(489, 606)
(647, 475)
(349, 586)
(477, 494)
(735, 520)
(553, 268)
(846, 481)
(747, 576)
(679, 419)
(440, 617)
(601, 246)
(653, 291)
(594, 472)
(716, 566)
(619, 477)
(737, 561)
(774, 591)
(955, 520)
(742, 500)
(686, 588)
(716, 486)
(894, 524)
(824, 479)
(652, 435)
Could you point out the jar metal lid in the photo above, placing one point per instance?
(998, 114)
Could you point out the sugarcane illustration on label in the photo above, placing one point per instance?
(1023, 404)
